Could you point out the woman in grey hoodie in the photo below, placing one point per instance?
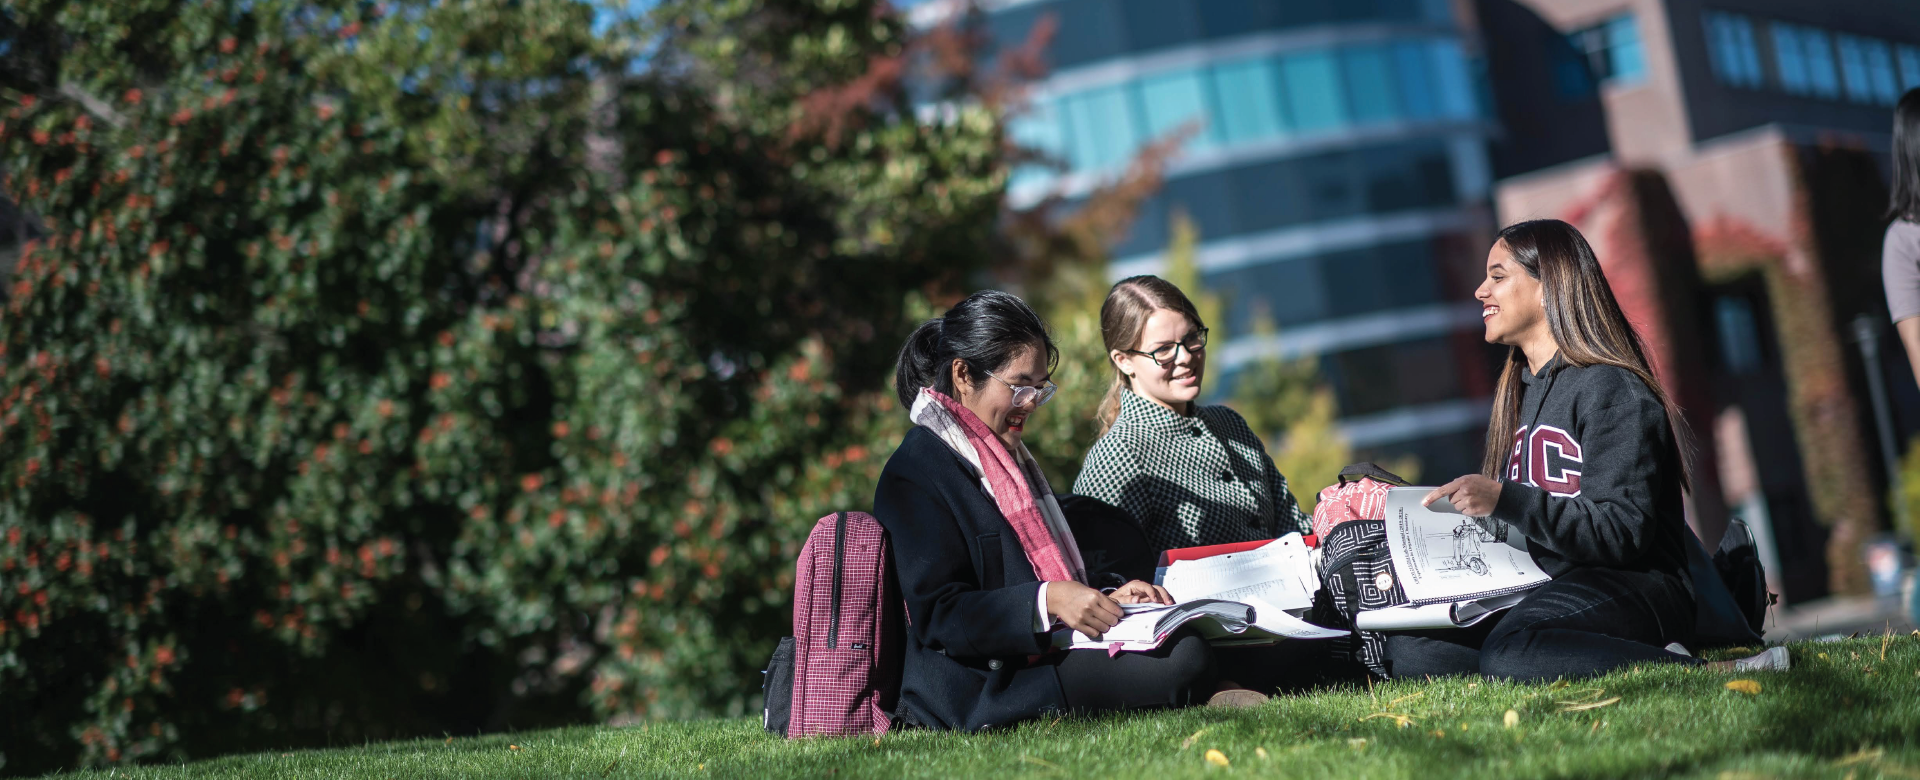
(1586, 467)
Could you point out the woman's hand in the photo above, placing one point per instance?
(1083, 609)
(1138, 592)
(1473, 495)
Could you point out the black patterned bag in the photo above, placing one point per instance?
(1356, 573)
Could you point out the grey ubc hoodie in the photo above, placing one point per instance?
(1593, 474)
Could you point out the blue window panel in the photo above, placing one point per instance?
(1821, 72)
(1853, 68)
(1452, 83)
(1790, 59)
(1416, 81)
(1886, 83)
(1735, 57)
(1909, 58)
(1627, 59)
(1371, 88)
(1248, 94)
(1172, 101)
(1748, 53)
(1314, 97)
(1103, 134)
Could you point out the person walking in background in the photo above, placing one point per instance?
(1586, 467)
(1900, 256)
(985, 558)
(1189, 474)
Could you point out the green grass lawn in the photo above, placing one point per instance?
(1844, 711)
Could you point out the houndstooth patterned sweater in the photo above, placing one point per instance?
(1190, 481)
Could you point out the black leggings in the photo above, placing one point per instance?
(1585, 622)
(1180, 672)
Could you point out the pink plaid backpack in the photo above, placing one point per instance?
(840, 671)
(1364, 498)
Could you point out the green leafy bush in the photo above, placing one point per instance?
(390, 368)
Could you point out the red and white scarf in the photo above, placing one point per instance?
(1014, 481)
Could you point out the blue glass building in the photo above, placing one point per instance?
(1338, 179)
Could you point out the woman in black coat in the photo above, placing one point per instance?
(985, 559)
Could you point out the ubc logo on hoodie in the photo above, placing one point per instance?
(1550, 458)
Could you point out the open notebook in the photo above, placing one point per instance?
(1221, 622)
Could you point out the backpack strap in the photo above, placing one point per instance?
(1370, 469)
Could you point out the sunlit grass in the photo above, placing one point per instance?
(1843, 711)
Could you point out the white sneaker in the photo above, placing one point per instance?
(1678, 649)
(1773, 659)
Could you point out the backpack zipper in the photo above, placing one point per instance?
(839, 573)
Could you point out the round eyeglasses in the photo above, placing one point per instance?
(1023, 393)
(1164, 355)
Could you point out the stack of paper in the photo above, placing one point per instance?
(1279, 573)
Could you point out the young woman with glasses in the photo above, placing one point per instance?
(986, 561)
(1188, 474)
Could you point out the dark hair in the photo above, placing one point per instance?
(1123, 316)
(1587, 325)
(1905, 203)
(987, 330)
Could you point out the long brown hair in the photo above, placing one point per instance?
(1587, 325)
(1129, 305)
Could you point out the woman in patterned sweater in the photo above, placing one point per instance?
(1189, 474)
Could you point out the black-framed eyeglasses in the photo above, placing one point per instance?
(1164, 355)
(1023, 393)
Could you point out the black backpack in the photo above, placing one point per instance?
(1356, 573)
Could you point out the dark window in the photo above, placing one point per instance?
(1739, 335)
(1299, 190)
(1156, 24)
(1350, 283)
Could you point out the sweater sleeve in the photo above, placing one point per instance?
(1900, 270)
(933, 560)
(1624, 450)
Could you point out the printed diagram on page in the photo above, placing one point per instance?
(1467, 537)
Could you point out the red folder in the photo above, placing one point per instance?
(1207, 551)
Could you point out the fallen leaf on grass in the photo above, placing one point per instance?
(1861, 755)
(513, 747)
(876, 741)
(449, 741)
(1261, 752)
(1740, 651)
(1357, 744)
(1592, 705)
(1188, 742)
(1558, 684)
(1403, 720)
(1511, 718)
(1216, 758)
(1749, 687)
(1439, 732)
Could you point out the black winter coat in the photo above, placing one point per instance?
(970, 593)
